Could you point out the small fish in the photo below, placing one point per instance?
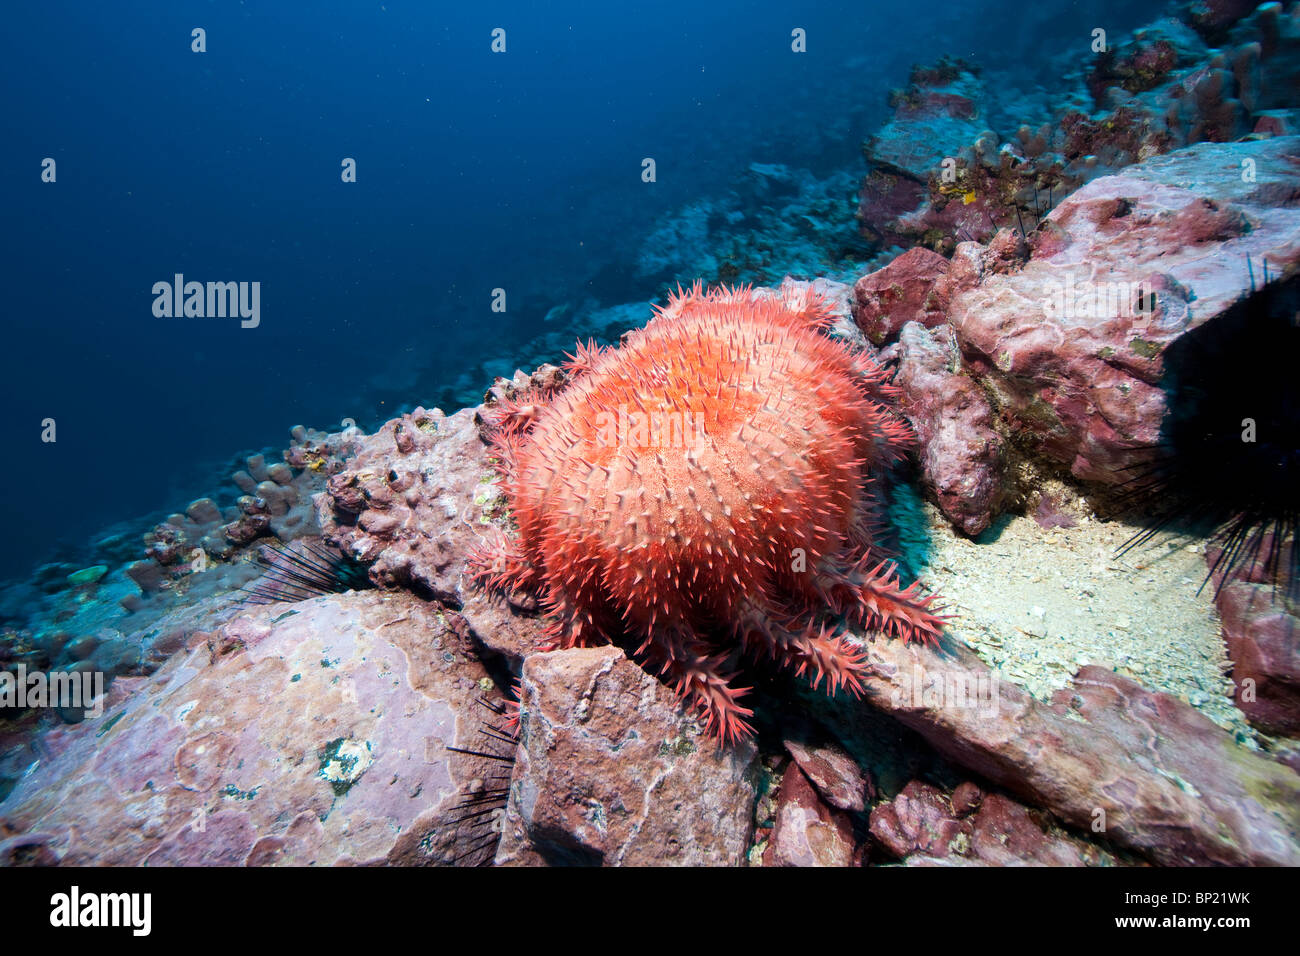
(42, 752)
(1190, 81)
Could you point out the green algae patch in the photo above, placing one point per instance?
(1040, 412)
(87, 576)
(1144, 348)
(677, 747)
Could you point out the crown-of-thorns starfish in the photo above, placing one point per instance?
(703, 490)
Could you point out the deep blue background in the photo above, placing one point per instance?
(476, 170)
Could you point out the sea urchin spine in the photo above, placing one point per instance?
(302, 570)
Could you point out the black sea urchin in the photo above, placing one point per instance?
(477, 829)
(1228, 462)
(302, 570)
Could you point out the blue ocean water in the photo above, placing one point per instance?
(475, 170)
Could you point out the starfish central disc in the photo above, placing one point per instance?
(704, 489)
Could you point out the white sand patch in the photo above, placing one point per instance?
(1038, 604)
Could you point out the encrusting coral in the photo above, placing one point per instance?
(703, 490)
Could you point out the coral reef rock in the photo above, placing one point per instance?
(937, 117)
(963, 457)
(774, 220)
(415, 500)
(923, 826)
(1141, 769)
(1263, 637)
(963, 156)
(611, 770)
(838, 779)
(317, 735)
(276, 500)
(1070, 345)
(807, 831)
(1261, 628)
(901, 292)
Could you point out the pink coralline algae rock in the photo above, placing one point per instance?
(1211, 17)
(417, 498)
(963, 458)
(1144, 61)
(276, 499)
(923, 824)
(1070, 344)
(1278, 122)
(1163, 90)
(312, 734)
(837, 295)
(938, 115)
(1141, 769)
(919, 820)
(951, 163)
(838, 779)
(1006, 833)
(1263, 638)
(901, 292)
(1261, 628)
(397, 504)
(1262, 631)
(612, 771)
(807, 831)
